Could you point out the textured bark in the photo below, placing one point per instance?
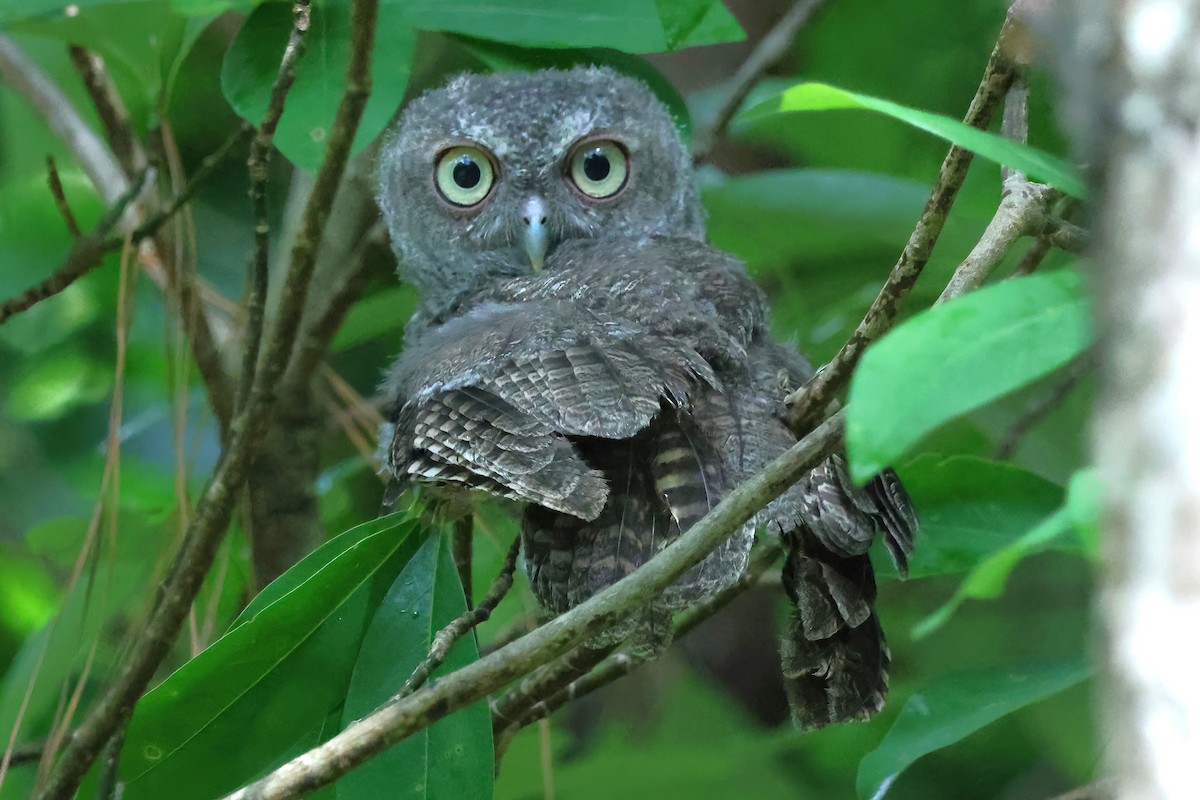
(1133, 86)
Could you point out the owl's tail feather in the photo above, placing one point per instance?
(834, 656)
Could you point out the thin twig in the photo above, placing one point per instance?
(208, 526)
(462, 539)
(396, 720)
(198, 178)
(64, 121)
(810, 402)
(110, 108)
(1015, 123)
(620, 664)
(86, 254)
(319, 329)
(60, 198)
(473, 617)
(1066, 236)
(766, 54)
(107, 785)
(509, 709)
(1072, 375)
(111, 182)
(1022, 212)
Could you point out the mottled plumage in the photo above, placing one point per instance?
(581, 349)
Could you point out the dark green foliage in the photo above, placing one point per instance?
(818, 205)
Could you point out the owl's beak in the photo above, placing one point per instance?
(537, 238)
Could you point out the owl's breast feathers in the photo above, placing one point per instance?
(622, 393)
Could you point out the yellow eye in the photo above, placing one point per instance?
(600, 168)
(464, 175)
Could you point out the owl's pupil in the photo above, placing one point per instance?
(596, 165)
(467, 173)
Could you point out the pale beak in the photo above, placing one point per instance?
(536, 236)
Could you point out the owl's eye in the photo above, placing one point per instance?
(599, 168)
(464, 175)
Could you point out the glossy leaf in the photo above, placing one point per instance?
(453, 757)
(959, 356)
(630, 25)
(691, 23)
(255, 694)
(970, 508)
(823, 97)
(252, 63)
(954, 708)
(501, 57)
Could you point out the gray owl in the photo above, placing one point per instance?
(581, 349)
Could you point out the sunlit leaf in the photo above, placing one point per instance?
(823, 97)
(249, 699)
(252, 63)
(453, 757)
(958, 356)
(955, 707)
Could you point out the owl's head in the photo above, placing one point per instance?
(486, 176)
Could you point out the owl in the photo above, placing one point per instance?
(580, 348)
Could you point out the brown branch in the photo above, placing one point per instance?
(86, 254)
(396, 720)
(1022, 212)
(810, 402)
(461, 544)
(544, 700)
(766, 54)
(459, 627)
(211, 520)
(110, 108)
(53, 106)
(111, 182)
(201, 176)
(60, 198)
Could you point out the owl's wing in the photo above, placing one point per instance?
(488, 399)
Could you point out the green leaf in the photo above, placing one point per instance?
(382, 313)
(987, 580)
(959, 356)
(49, 388)
(1085, 496)
(502, 57)
(453, 757)
(691, 23)
(955, 707)
(143, 42)
(823, 97)
(970, 508)
(252, 63)
(255, 694)
(630, 25)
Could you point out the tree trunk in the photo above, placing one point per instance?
(1132, 81)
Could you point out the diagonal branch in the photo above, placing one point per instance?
(766, 54)
(460, 626)
(396, 720)
(86, 254)
(810, 402)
